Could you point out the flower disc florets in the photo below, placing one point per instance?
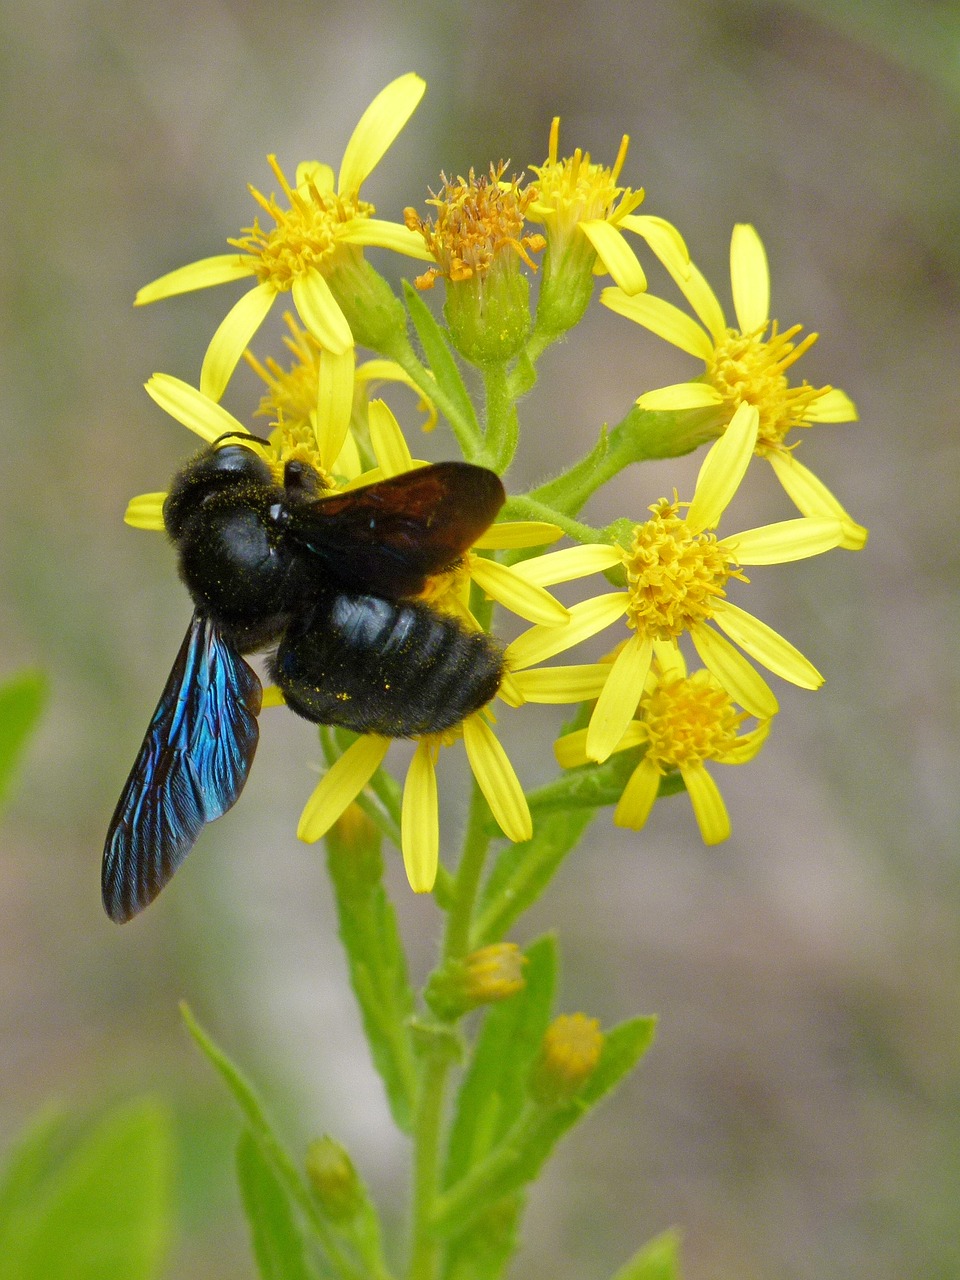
(574, 189)
(306, 235)
(478, 221)
(674, 576)
(687, 720)
(747, 367)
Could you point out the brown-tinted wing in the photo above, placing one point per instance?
(385, 539)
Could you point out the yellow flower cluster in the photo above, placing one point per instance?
(671, 572)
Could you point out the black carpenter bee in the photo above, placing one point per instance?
(329, 583)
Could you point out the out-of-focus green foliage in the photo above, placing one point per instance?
(22, 699)
(95, 1207)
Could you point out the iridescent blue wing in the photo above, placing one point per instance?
(191, 768)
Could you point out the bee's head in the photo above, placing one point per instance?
(225, 464)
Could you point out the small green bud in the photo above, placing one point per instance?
(334, 1179)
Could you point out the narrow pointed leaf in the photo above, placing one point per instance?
(279, 1245)
(22, 699)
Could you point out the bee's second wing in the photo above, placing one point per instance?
(190, 769)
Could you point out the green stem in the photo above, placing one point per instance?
(638, 437)
(427, 1133)
(526, 506)
(428, 1123)
(503, 429)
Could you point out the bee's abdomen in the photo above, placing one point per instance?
(377, 666)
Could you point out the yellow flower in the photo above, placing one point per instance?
(321, 234)
(295, 396)
(585, 213)
(495, 775)
(478, 244)
(676, 571)
(681, 722)
(327, 447)
(746, 365)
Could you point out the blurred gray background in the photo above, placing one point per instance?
(799, 1116)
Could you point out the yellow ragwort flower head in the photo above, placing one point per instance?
(478, 227)
(478, 243)
(301, 395)
(746, 364)
(677, 570)
(319, 236)
(681, 722)
(585, 211)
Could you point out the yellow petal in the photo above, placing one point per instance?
(497, 780)
(722, 470)
(616, 255)
(341, 785)
(579, 683)
(633, 808)
(389, 371)
(813, 498)
(378, 234)
(708, 806)
(514, 534)
(694, 287)
(745, 748)
(766, 645)
(570, 563)
(192, 408)
(682, 395)
(232, 337)
(376, 130)
(387, 440)
(662, 237)
(670, 660)
(571, 749)
(785, 541)
(315, 174)
(749, 278)
(420, 821)
(348, 462)
(835, 406)
(662, 318)
(617, 704)
(586, 619)
(272, 697)
(145, 511)
(523, 598)
(197, 275)
(320, 312)
(744, 684)
(334, 403)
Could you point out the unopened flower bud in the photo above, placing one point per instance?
(493, 973)
(333, 1179)
(568, 1057)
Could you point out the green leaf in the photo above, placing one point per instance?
(378, 966)
(523, 871)
(522, 1152)
(494, 1087)
(278, 1242)
(27, 1165)
(442, 364)
(275, 1153)
(657, 1260)
(22, 699)
(104, 1212)
(490, 1099)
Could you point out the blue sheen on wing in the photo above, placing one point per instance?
(190, 769)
